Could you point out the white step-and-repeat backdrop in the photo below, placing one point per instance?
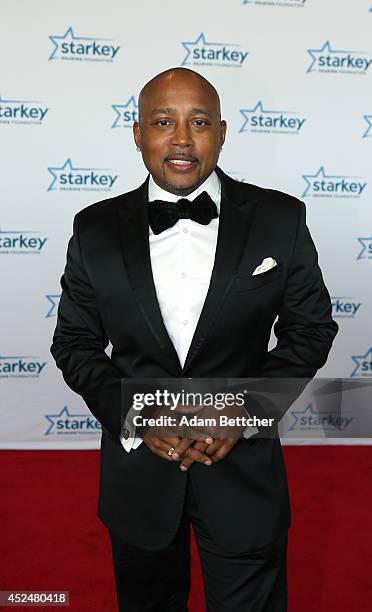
(295, 78)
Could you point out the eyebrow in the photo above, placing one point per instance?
(170, 111)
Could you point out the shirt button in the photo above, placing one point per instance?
(185, 230)
(185, 322)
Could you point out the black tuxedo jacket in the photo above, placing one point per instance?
(109, 295)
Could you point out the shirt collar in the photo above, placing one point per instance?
(211, 185)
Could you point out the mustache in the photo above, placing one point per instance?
(181, 156)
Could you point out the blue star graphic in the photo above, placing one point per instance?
(118, 108)
(54, 300)
(68, 164)
(321, 173)
(69, 34)
(259, 107)
(357, 360)
(326, 47)
(64, 413)
(200, 39)
(366, 252)
(368, 119)
(307, 410)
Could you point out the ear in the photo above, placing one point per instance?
(223, 131)
(137, 134)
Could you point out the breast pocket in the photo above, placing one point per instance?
(247, 282)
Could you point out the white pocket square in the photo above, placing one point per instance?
(267, 264)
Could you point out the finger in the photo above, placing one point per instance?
(191, 455)
(200, 446)
(196, 455)
(223, 450)
(162, 447)
(186, 462)
(185, 443)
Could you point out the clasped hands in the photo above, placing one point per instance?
(206, 445)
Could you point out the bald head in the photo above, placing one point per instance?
(179, 131)
(178, 76)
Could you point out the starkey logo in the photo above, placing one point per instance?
(312, 419)
(261, 120)
(366, 251)
(24, 112)
(326, 59)
(125, 114)
(202, 52)
(68, 46)
(323, 185)
(21, 366)
(68, 423)
(344, 307)
(368, 131)
(53, 299)
(21, 242)
(72, 178)
(362, 364)
(286, 3)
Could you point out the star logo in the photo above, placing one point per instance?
(318, 175)
(368, 132)
(316, 420)
(54, 301)
(69, 177)
(69, 423)
(346, 62)
(260, 119)
(246, 112)
(70, 46)
(366, 252)
(201, 52)
(125, 113)
(67, 36)
(332, 185)
(55, 171)
(363, 364)
(297, 415)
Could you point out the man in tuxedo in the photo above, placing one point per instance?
(169, 273)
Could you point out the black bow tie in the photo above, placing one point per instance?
(163, 215)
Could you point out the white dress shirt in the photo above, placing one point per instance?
(182, 259)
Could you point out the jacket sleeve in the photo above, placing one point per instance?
(304, 329)
(79, 343)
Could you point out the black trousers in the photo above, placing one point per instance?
(160, 581)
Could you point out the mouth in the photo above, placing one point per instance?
(181, 163)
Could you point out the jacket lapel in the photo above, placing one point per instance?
(236, 216)
(133, 220)
(237, 210)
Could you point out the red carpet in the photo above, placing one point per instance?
(52, 539)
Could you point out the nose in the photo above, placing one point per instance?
(182, 134)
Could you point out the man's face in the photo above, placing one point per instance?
(180, 133)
